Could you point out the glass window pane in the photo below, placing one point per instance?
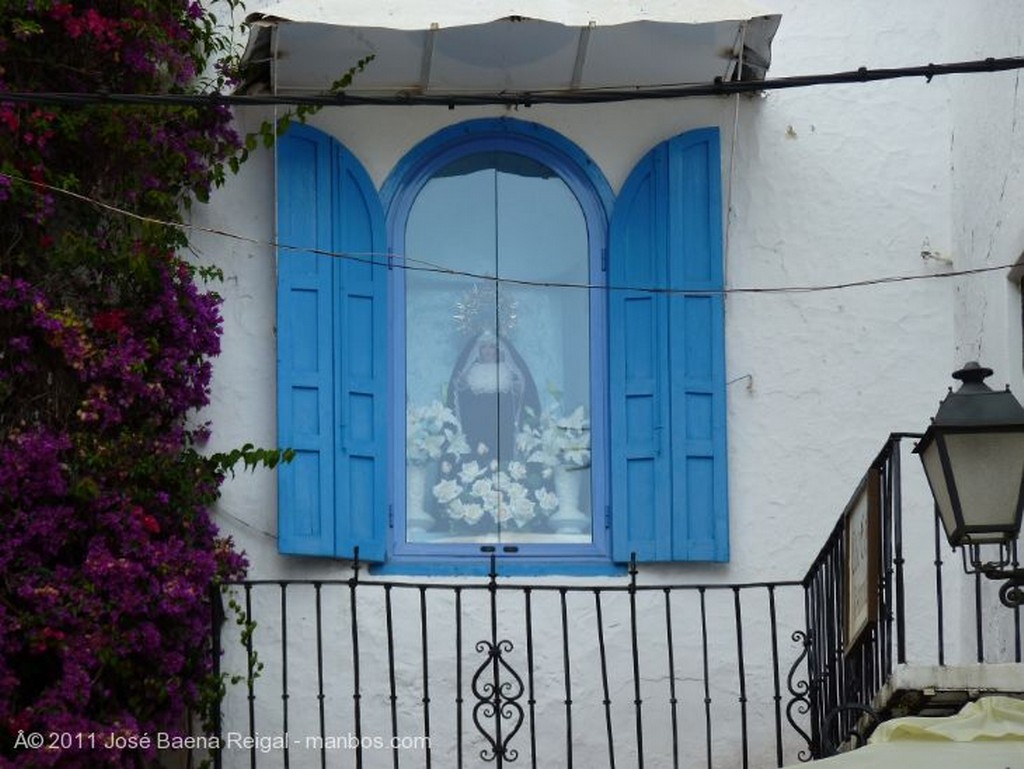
(497, 372)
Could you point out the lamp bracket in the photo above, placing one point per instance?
(973, 563)
(1011, 592)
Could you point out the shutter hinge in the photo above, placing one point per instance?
(608, 517)
(604, 258)
(391, 516)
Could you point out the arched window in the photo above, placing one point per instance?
(499, 351)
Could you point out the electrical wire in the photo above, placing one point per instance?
(718, 87)
(221, 513)
(397, 261)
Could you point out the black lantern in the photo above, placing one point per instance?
(973, 455)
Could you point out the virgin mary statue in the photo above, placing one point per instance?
(491, 391)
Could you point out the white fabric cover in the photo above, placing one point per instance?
(454, 13)
(497, 49)
(987, 734)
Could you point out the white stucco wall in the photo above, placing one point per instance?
(827, 184)
(987, 165)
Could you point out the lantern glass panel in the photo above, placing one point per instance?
(940, 489)
(987, 468)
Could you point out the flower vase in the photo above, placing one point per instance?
(568, 518)
(417, 519)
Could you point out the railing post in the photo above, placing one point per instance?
(637, 700)
(356, 565)
(741, 673)
(492, 588)
(216, 623)
(531, 700)
(776, 681)
(356, 683)
(284, 671)
(897, 525)
(320, 695)
(940, 619)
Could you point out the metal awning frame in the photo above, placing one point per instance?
(745, 60)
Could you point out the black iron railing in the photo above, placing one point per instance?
(498, 673)
(627, 672)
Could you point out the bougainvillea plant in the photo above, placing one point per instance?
(107, 548)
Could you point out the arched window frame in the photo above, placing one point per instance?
(594, 195)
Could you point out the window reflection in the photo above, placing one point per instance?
(497, 373)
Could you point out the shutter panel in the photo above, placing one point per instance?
(305, 379)
(667, 361)
(697, 354)
(361, 334)
(638, 367)
(331, 352)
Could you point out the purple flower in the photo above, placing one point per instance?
(106, 542)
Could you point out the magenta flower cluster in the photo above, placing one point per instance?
(108, 552)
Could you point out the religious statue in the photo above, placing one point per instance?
(491, 391)
(487, 484)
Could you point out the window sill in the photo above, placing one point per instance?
(505, 566)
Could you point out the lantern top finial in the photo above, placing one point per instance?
(973, 373)
(975, 405)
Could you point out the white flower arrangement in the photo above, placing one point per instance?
(474, 487)
(431, 432)
(557, 440)
(503, 495)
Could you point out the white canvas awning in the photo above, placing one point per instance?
(488, 51)
(987, 734)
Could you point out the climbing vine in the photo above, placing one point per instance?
(107, 547)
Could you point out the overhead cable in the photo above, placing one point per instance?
(397, 261)
(718, 87)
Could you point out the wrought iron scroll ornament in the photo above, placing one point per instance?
(497, 688)
(800, 689)
(1011, 592)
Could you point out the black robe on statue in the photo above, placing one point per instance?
(492, 392)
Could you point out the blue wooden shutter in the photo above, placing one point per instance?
(667, 357)
(361, 345)
(332, 343)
